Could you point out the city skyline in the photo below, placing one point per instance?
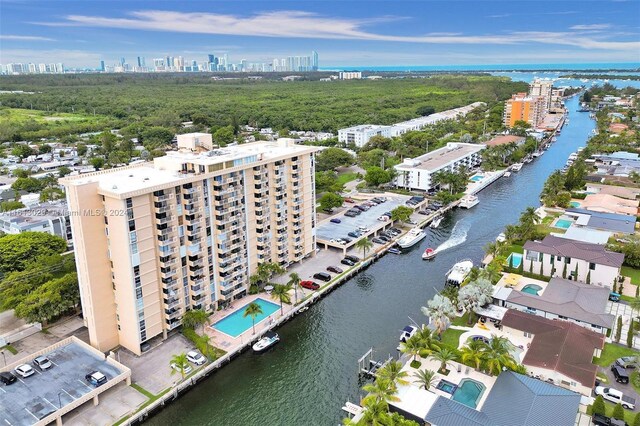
(344, 34)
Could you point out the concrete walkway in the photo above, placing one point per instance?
(621, 309)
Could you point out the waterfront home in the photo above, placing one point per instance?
(610, 222)
(607, 203)
(559, 299)
(558, 352)
(514, 399)
(579, 261)
(585, 235)
(506, 140)
(618, 191)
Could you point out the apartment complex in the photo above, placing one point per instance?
(523, 107)
(185, 232)
(360, 135)
(416, 173)
(350, 75)
(542, 88)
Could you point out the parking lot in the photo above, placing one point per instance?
(33, 398)
(328, 230)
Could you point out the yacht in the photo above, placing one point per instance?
(407, 333)
(459, 272)
(394, 250)
(469, 201)
(501, 238)
(269, 339)
(428, 254)
(515, 167)
(412, 238)
(506, 174)
(436, 222)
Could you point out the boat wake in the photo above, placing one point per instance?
(457, 237)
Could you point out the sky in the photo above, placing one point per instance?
(344, 33)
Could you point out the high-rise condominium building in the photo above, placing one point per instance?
(522, 107)
(185, 232)
(542, 88)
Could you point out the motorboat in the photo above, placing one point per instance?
(469, 201)
(501, 238)
(428, 254)
(515, 167)
(407, 333)
(411, 238)
(436, 222)
(459, 272)
(506, 174)
(269, 339)
(394, 250)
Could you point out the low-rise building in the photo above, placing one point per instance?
(610, 222)
(618, 191)
(506, 140)
(584, 262)
(607, 203)
(416, 173)
(360, 135)
(52, 218)
(350, 75)
(559, 352)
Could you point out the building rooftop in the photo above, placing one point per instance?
(441, 157)
(593, 253)
(617, 223)
(26, 218)
(504, 140)
(610, 204)
(586, 235)
(561, 346)
(618, 191)
(363, 127)
(571, 299)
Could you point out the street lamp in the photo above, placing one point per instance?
(4, 358)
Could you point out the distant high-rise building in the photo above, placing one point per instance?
(314, 61)
(141, 62)
(522, 107)
(542, 88)
(102, 66)
(122, 62)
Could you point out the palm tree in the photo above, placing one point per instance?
(195, 318)
(413, 347)
(281, 293)
(393, 372)
(181, 364)
(497, 355)
(473, 353)
(635, 304)
(209, 351)
(425, 378)
(363, 244)
(528, 220)
(253, 310)
(426, 338)
(375, 414)
(382, 390)
(440, 310)
(294, 281)
(445, 356)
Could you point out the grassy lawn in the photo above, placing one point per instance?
(629, 415)
(146, 393)
(461, 321)
(10, 349)
(632, 273)
(19, 115)
(451, 338)
(512, 248)
(611, 352)
(347, 177)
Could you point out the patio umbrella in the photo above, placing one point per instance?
(512, 280)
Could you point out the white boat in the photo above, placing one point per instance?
(515, 167)
(469, 201)
(436, 222)
(428, 254)
(269, 339)
(506, 174)
(459, 272)
(406, 334)
(411, 238)
(501, 238)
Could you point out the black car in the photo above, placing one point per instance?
(377, 240)
(322, 276)
(346, 240)
(347, 262)
(352, 258)
(600, 420)
(383, 238)
(350, 214)
(334, 269)
(620, 374)
(7, 378)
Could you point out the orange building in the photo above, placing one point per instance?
(522, 107)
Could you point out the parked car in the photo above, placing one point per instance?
(42, 362)
(196, 358)
(355, 211)
(350, 214)
(395, 231)
(617, 397)
(620, 374)
(614, 297)
(383, 238)
(7, 378)
(352, 258)
(347, 240)
(347, 262)
(377, 240)
(363, 229)
(349, 200)
(322, 276)
(627, 362)
(96, 378)
(383, 218)
(335, 220)
(310, 285)
(387, 214)
(187, 370)
(601, 420)
(334, 269)
(354, 234)
(25, 370)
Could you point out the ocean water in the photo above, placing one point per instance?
(494, 67)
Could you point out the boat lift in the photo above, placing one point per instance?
(368, 366)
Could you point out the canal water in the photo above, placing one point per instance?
(310, 374)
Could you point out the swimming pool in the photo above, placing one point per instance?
(514, 259)
(446, 386)
(476, 178)
(532, 289)
(236, 324)
(574, 204)
(469, 392)
(562, 223)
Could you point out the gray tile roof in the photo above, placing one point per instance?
(583, 302)
(576, 249)
(446, 412)
(608, 221)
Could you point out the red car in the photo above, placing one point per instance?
(349, 200)
(309, 285)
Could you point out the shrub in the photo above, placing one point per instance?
(618, 412)
(630, 334)
(618, 329)
(598, 406)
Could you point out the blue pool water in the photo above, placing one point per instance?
(563, 223)
(236, 324)
(476, 178)
(532, 289)
(468, 392)
(517, 260)
(574, 204)
(446, 386)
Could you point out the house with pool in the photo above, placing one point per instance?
(576, 260)
(558, 352)
(559, 299)
(609, 222)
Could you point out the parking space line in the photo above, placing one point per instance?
(3, 391)
(50, 403)
(85, 385)
(72, 398)
(34, 416)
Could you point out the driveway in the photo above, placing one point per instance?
(626, 389)
(624, 310)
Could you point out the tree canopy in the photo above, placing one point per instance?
(17, 251)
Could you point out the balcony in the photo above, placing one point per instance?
(171, 302)
(190, 191)
(163, 198)
(164, 218)
(197, 290)
(172, 313)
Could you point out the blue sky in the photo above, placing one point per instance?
(344, 33)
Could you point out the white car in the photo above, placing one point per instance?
(187, 370)
(25, 370)
(43, 362)
(196, 358)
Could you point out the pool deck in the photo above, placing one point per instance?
(488, 331)
(522, 281)
(473, 187)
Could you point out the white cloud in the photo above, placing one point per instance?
(590, 27)
(73, 58)
(24, 38)
(299, 24)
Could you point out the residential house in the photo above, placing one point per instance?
(610, 204)
(610, 222)
(584, 262)
(506, 140)
(618, 191)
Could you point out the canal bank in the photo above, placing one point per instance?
(309, 375)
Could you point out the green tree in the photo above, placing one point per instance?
(425, 110)
(51, 300)
(224, 136)
(630, 333)
(412, 347)
(331, 158)
(392, 371)
(6, 206)
(498, 355)
(329, 201)
(425, 378)
(598, 406)
(253, 310)
(636, 420)
(376, 176)
(401, 214)
(44, 149)
(97, 162)
(473, 353)
(29, 184)
(16, 251)
(618, 329)
(618, 412)
(195, 318)
(281, 293)
(22, 151)
(157, 137)
(294, 282)
(363, 244)
(63, 171)
(382, 390)
(440, 311)
(444, 356)
(181, 364)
